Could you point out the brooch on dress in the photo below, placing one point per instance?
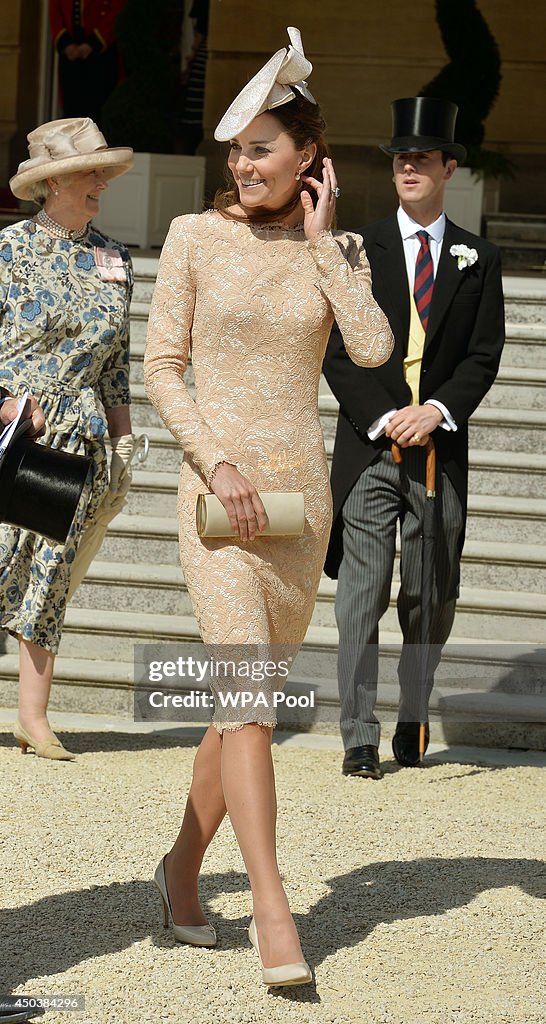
(109, 264)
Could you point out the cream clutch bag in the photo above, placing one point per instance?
(285, 513)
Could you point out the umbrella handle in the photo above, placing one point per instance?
(431, 468)
(396, 453)
(421, 741)
(430, 449)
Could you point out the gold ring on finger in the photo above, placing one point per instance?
(416, 438)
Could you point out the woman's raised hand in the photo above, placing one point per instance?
(240, 499)
(319, 218)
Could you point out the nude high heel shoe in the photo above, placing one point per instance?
(285, 974)
(51, 747)
(194, 935)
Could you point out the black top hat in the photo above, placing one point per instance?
(422, 123)
(11, 1013)
(40, 487)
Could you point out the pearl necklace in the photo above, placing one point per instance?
(57, 230)
(273, 226)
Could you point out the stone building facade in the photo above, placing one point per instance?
(364, 55)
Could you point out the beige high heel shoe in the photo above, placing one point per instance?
(51, 747)
(194, 935)
(285, 974)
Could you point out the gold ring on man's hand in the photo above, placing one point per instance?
(416, 438)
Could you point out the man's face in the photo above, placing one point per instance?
(420, 178)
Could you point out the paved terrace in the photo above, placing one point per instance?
(417, 898)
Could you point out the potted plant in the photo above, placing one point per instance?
(141, 112)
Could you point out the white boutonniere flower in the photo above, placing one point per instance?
(465, 257)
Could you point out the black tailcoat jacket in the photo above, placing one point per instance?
(461, 357)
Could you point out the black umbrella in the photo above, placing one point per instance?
(427, 580)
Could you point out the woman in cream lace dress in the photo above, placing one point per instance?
(253, 288)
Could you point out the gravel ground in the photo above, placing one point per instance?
(417, 898)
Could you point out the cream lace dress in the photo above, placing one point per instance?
(256, 305)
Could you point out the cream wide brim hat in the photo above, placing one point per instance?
(272, 86)
(64, 146)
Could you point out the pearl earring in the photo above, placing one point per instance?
(298, 175)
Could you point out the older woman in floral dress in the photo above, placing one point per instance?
(64, 325)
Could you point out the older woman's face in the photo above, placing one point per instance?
(79, 193)
(264, 162)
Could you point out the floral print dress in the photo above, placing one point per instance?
(64, 336)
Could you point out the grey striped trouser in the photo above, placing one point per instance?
(384, 494)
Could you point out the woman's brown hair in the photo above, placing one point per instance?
(303, 122)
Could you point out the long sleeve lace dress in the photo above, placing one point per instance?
(256, 304)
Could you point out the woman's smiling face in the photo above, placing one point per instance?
(77, 195)
(264, 162)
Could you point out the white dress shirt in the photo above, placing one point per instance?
(408, 229)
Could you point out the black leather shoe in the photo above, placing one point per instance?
(405, 743)
(363, 761)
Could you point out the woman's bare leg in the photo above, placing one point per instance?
(236, 770)
(35, 676)
(205, 809)
(249, 790)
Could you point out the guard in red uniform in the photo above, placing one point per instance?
(84, 34)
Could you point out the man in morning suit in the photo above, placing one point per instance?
(447, 315)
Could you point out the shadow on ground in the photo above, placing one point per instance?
(96, 742)
(55, 933)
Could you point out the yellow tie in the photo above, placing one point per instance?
(416, 345)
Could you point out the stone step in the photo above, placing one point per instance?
(525, 345)
(505, 518)
(81, 685)
(145, 271)
(464, 706)
(495, 614)
(519, 425)
(524, 296)
(485, 615)
(507, 430)
(139, 327)
(491, 472)
(524, 299)
(507, 473)
(516, 387)
(508, 519)
(522, 256)
(515, 227)
(98, 634)
(519, 567)
(521, 292)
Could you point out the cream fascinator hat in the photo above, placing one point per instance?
(271, 87)
(60, 147)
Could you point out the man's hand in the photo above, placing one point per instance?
(71, 52)
(413, 425)
(32, 411)
(84, 51)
